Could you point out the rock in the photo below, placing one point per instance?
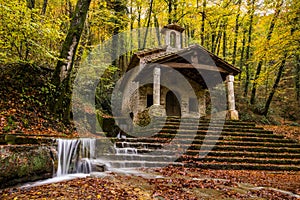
(23, 163)
(98, 167)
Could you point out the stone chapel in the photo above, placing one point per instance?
(173, 81)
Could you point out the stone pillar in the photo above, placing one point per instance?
(156, 109)
(156, 86)
(232, 114)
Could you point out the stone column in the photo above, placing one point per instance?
(156, 109)
(156, 86)
(232, 114)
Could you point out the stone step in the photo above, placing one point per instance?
(172, 149)
(208, 137)
(243, 154)
(217, 159)
(204, 126)
(189, 120)
(246, 148)
(140, 164)
(214, 133)
(192, 129)
(205, 122)
(243, 166)
(207, 142)
(139, 157)
(211, 129)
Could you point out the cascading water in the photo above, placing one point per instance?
(125, 150)
(74, 156)
(79, 156)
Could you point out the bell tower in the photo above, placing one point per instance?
(173, 36)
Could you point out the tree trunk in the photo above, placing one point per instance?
(175, 11)
(224, 41)
(45, 4)
(216, 48)
(242, 54)
(269, 35)
(61, 79)
(30, 4)
(148, 24)
(170, 12)
(156, 24)
(236, 32)
(275, 86)
(251, 12)
(297, 79)
(203, 22)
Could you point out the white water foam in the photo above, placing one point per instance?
(75, 155)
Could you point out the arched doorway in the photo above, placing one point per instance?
(172, 105)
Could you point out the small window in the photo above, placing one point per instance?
(149, 100)
(193, 105)
(173, 39)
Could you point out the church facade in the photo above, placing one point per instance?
(174, 81)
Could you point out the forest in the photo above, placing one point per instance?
(261, 38)
(53, 50)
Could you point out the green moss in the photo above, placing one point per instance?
(38, 163)
(23, 170)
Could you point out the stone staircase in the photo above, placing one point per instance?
(208, 145)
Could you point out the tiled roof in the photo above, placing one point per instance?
(159, 55)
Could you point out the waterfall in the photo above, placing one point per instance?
(74, 155)
(123, 150)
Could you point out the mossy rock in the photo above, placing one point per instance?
(23, 163)
(142, 118)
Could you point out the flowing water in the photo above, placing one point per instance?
(75, 156)
(79, 156)
(86, 157)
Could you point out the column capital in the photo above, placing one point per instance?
(230, 78)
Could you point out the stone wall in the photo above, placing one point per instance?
(24, 163)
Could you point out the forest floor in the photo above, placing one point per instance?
(170, 183)
(291, 132)
(24, 95)
(23, 102)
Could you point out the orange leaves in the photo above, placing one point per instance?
(291, 132)
(176, 183)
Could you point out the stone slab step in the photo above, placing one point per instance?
(208, 137)
(187, 120)
(243, 166)
(278, 161)
(197, 143)
(234, 134)
(192, 129)
(172, 150)
(140, 164)
(242, 154)
(206, 159)
(140, 157)
(246, 148)
(202, 127)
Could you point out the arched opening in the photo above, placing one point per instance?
(172, 105)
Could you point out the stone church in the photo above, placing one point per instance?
(173, 81)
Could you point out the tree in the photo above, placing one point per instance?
(247, 66)
(268, 38)
(275, 86)
(61, 79)
(236, 32)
